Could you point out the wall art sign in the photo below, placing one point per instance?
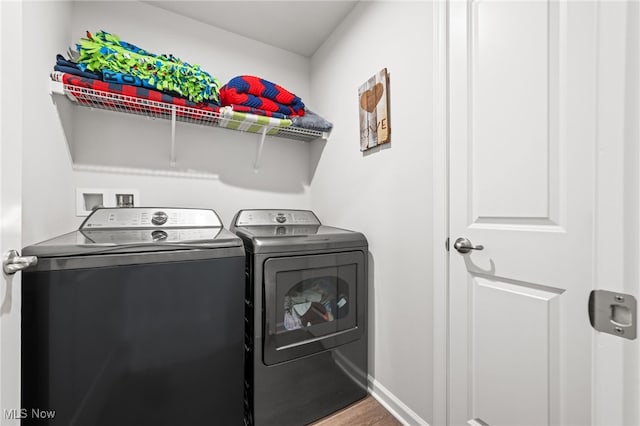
(373, 100)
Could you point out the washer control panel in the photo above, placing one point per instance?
(137, 236)
(143, 217)
(276, 217)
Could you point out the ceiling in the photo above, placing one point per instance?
(298, 26)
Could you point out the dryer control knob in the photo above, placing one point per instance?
(159, 218)
(281, 218)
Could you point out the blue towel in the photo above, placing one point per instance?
(76, 71)
(64, 65)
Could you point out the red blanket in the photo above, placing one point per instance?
(256, 92)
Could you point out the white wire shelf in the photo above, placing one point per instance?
(131, 105)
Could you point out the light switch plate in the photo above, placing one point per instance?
(89, 198)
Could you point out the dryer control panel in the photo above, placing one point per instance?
(149, 217)
(276, 217)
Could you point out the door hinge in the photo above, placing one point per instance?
(614, 313)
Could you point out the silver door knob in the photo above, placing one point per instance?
(463, 245)
(12, 262)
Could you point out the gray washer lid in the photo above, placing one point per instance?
(267, 240)
(115, 241)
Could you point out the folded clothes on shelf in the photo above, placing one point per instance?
(249, 122)
(256, 111)
(103, 52)
(161, 104)
(312, 121)
(70, 67)
(256, 92)
(106, 64)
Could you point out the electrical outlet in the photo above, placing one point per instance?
(125, 200)
(88, 199)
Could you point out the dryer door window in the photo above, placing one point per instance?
(312, 303)
(321, 304)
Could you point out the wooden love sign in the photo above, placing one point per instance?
(374, 113)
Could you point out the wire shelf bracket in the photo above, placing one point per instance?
(172, 158)
(256, 164)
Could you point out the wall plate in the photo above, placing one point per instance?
(88, 199)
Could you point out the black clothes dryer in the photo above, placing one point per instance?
(305, 316)
(136, 319)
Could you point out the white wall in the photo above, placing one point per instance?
(111, 139)
(48, 197)
(386, 193)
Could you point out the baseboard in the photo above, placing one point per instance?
(396, 407)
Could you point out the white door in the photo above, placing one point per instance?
(10, 205)
(526, 180)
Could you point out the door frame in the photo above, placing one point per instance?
(440, 166)
(617, 228)
(607, 352)
(11, 135)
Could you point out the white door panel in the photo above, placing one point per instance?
(514, 348)
(509, 111)
(522, 138)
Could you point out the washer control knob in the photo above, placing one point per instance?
(159, 235)
(159, 218)
(281, 218)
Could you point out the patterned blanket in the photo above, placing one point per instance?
(256, 92)
(104, 52)
(250, 110)
(250, 122)
(133, 92)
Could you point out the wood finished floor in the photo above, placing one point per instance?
(367, 412)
